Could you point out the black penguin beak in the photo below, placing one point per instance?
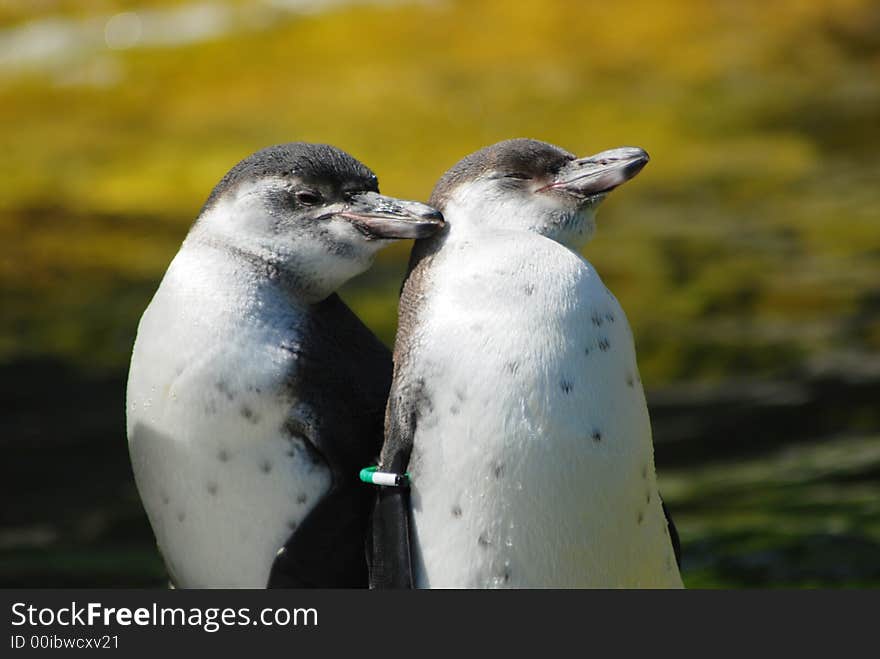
(378, 216)
(601, 173)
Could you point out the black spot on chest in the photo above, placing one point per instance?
(249, 414)
(223, 387)
(273, 272)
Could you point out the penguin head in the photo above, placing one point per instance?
(529, 185)
(311, 209)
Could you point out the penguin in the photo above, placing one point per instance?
(254, 393)
(516, 412)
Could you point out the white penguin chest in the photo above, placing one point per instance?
(533, 465)
(222, 473)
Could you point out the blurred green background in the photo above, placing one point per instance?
(747, 254)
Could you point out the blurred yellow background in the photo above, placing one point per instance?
(746, 255)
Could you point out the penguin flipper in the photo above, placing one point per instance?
(389, 543)
(673, 534)
(351, 368)
(388, 548)
(389, 551)
(326, 550)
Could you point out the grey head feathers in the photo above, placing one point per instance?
(520, 156)
(308, 162)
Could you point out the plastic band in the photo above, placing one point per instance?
(373, 476)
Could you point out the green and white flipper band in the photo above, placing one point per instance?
(373, 476)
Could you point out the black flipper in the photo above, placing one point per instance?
(389, 542)
(389, 547)
(320, 554)
(343, 359)
(673, 534)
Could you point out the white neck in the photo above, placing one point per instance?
(311, 264)
(477, 207)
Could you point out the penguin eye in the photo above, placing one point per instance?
(518, 175)
(308, 198)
